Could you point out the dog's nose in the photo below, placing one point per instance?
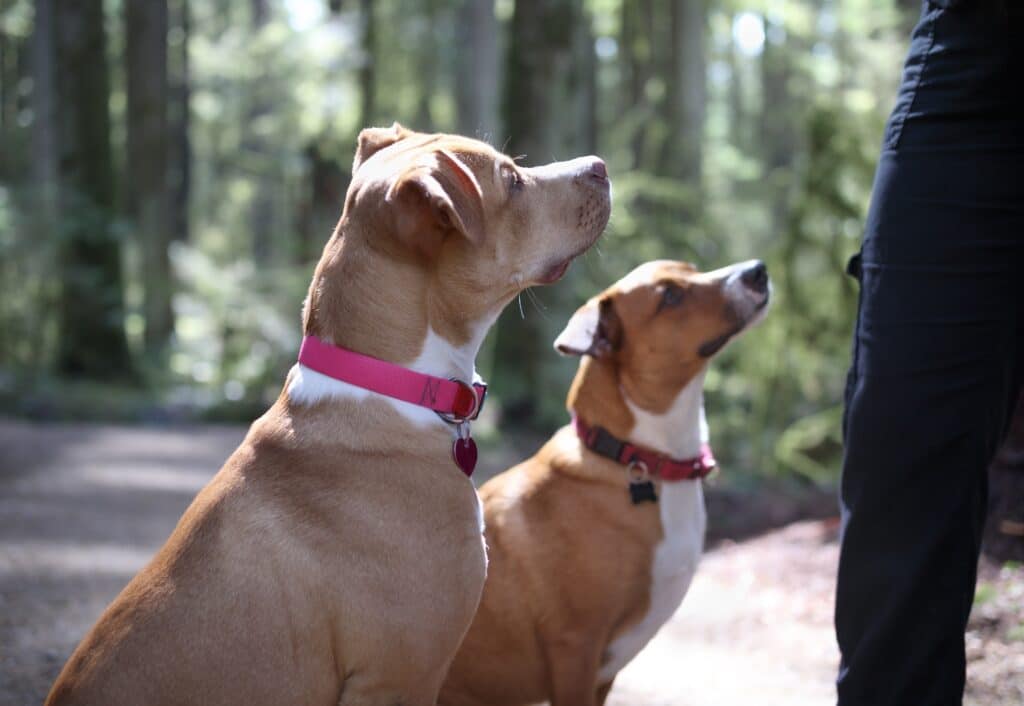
(755, 277)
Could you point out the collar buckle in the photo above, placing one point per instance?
(470, 398)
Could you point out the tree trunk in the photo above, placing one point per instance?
(42, 202)
(686, 92)
(778, 134)
(477, 71)
(739, 116)
(367, 69)
(427, 63)
(636, 44)
(15, 65)
(537, 96)
(910, 11)
(582, 133)
(8, 82)
(321, 207)
(261, 208)
(179, 118)
(538, 64)
(147, 152)
(260, 13)
(44, 133)
(91, 310)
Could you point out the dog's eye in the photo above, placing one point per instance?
(671, 295)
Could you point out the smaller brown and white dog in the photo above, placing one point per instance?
(594, 540)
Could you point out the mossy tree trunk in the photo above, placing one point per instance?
(147, 184)
(91, 308)
(537, 97)
(478, 74)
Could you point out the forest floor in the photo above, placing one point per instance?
(83, 507)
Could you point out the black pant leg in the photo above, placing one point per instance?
(935, 356)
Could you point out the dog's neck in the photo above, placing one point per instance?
(679, 431)
(351, 307)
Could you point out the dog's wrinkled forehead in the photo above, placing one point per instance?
(384, 151)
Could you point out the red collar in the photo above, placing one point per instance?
(658, 465)
(455, 401)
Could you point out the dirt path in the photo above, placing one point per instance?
(755, 628)
(82, 508)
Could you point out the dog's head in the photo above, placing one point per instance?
(658, 326)
(462, 218)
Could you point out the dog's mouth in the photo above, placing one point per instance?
(716, 344)
(753, 318)
(557, 271)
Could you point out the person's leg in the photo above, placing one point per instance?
(935, 353)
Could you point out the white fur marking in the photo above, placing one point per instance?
(745, 300)
(578, 336)
(307, 386)
(480, 512)
(438, 357)
(679, 433)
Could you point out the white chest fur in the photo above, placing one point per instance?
(679, 432)
(675, 562)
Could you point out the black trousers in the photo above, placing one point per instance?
(938, 355)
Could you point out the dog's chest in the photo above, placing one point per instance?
(683, 517)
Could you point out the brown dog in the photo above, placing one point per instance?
(580, 577)
(337, 556)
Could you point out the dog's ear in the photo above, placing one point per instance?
(434, 198)
(373, 139)
(595, 330)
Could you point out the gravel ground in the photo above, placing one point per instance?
(83, 507)
(756, 628)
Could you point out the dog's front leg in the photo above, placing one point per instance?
(603, 691)
(572, 670)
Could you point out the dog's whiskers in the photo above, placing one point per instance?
(537, 304)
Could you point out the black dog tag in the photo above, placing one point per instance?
(642, 492)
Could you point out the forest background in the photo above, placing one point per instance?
(170, 171)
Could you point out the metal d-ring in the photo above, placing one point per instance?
(638, 466)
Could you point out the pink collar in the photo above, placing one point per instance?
(648, 463)
(455, 401)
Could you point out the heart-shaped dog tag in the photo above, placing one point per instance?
(464, 452)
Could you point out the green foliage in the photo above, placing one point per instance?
(237, 329)
(790, 139)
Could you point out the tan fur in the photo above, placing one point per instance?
(570, 556)
(336, 558)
